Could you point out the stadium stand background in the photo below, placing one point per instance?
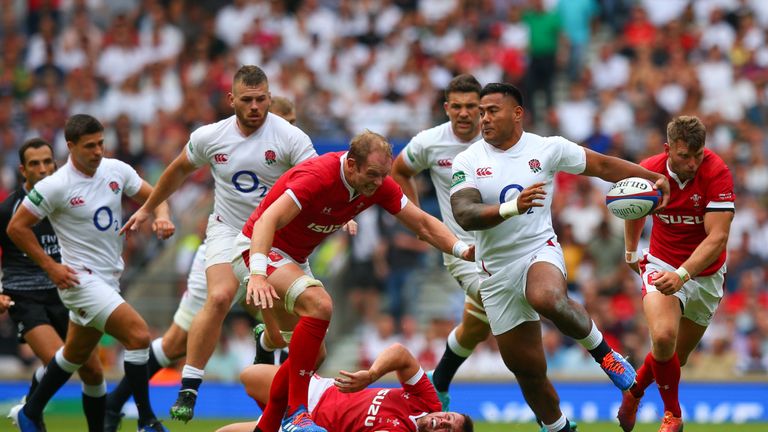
(610, 77)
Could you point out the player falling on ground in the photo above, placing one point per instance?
(247, 153)
(83, 202)
(38, 313)
(434, 150)
(683, 272)
(307, 204)
(344, 404)
(166, 350)
(502, 187)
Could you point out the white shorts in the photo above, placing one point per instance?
(700, 296)
(93, 300)
(220, 238)
(317, 386)
(466, 275)
(275, 259)
(193, 299)
(504, 292)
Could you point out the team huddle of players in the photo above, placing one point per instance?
(276, 200)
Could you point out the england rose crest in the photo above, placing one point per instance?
(534, 165)
(114, 186)
(270, 157)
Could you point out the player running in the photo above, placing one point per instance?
(683, 272)
(502, 187)
(310, 202)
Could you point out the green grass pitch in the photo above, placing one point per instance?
(69, 423)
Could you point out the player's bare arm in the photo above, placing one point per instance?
(20, 232)
(717, 224)
(171, 179)
(162, 224)
(395, 358)
(472, 214)
(613, 169)
(276, 216)
(403, 175)
(632, 231)
(432, 231)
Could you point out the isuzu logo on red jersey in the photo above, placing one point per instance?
(445, 163)
(220, 158)
(76, 201)
(484, 172)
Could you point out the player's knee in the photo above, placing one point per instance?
(91, 373)
(315, 302)
(664, 343)
(219, 301)
(138, 337)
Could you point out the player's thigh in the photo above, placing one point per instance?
(44, 341)
(257, 380)
(128, 327)
(546, 289)
(221, 282)
(80, 343)
(93, 300)
(662, 312)
(522, 350)
(688, 337)
(504, 299)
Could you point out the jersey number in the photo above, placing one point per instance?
(503, 195)
(244, 187)
(103, 219)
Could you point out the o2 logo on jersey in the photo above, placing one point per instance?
(246, 182)
(504, 198)
(103, 219)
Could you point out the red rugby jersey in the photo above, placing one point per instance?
(319, 188)
(680, 228)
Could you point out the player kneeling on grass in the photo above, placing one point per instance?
(344, 404)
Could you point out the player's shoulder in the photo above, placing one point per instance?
(283, 129)
(324, 168)
(210, 132)
(433, 135)
(656, 163)
(111, 166)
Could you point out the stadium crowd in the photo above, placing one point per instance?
(608, 74)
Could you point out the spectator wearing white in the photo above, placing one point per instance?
(41, 42)
(717, 33)
(661, 12)
(234, 19)
(321, 20)
(435, 10)
(514, 32)
(575, 115)
(616, 115)
(161, 40)
(80, 41)
(610, 70)
(122, 58)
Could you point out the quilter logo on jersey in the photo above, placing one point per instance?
(678, 219)
(484, 172)
(220, 158)
(76, 201)
(373, 408)
(444, 163)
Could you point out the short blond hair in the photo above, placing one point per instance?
(367, 142)
(688, 129)
(281, 105)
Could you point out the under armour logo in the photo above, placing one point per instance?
(303, 372)
(664, 387)
(326, 210)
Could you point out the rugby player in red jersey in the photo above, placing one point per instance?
(684, 270)
(307, 204)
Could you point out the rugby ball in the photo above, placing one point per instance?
(632, 198)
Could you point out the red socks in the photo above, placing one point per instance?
(304, 347)
(644, 377)
(667, 376)
(278, 400)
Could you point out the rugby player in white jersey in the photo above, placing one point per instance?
(502, 190)
(434, 150)
(83, 202)
(247, 153)
(166, 350)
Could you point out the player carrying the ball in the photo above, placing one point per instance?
(683, 272)
(502, 189)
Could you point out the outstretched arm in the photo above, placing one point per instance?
(472, 215)
(396, 358)
(434, 232)
(162, 225)
(403, 175)
(613, 169)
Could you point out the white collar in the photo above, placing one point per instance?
(352, 192)
(675, 177)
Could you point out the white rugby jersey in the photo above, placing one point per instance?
(435, 149)
(245, 168)
(500, 176)
(86, 213)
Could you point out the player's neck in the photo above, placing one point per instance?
(82, 170)
(247, 131)
(511, 141)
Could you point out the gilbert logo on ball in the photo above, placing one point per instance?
(632, 198)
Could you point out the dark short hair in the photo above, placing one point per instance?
(469, 425)
(464, 83)
(505, 89)
(688, 129)
(79, 125)
(365, 143)
(250, 76)
(32, 143)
